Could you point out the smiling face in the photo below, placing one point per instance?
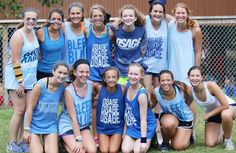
(55, 20)
(75, 15)
(30, 19)
(111, 77)
(166, 81)
(157, 13)
(135, 74)
(195, 77)
(180, 14)
(97, 17)
(128, 17)
(60, 73)
(82, 73)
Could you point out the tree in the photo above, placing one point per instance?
(13, 8)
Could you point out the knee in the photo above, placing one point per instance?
(91, 149)
(126, 149)
(180, 146)
(211, 144)
(113, 150)
(19, 113)
(167, 125)
(103, 150)
(226, 115)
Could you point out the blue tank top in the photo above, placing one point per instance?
(155, 56)
(110, 112)
(75, 46)
(98, 53)
(51, 51)
(132, 117)
(44, 117)
(181, 56)
(128, 47)
(28, 61)
(83, 108)
(176, 106)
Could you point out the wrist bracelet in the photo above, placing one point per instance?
(79, 138)
(157, 115)
(143, 139)
(27, 129)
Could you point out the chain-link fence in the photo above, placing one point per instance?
(218, 52)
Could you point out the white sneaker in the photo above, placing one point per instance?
(229, 145)
(159, 137)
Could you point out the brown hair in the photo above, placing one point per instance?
(140, 17)
(55, 10)
(109, 69)
(190, 23)
(74, 67)
(76, 4)
(102, 10)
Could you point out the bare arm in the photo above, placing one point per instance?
(197, 37)
(28, 118)
(40, 34)
(143, 104)
(215, 90)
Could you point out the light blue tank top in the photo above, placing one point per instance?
(132, 117)
(83, 107)
(44, 117)
(176, 106)
(155, 56)
(98, 53)
(75, 46)
(181, 56)
(51, 51)
(29, 62)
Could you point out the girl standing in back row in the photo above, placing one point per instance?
(184, 43)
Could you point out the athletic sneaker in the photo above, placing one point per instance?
(13, 147)
(159, 137)
(229, 145)
(164, 147)
(24, 146)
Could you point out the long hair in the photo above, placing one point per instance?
(190, 23)
(140, 17)
(109, 69)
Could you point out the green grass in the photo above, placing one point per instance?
(198, 147)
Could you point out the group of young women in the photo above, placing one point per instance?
(112, 92)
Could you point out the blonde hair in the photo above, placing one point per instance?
(140, 17)
(102, 10)
(190, 23)
(141, 70)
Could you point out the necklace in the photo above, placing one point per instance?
(99, 32)
(170, 95)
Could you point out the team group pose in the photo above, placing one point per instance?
(113, 99)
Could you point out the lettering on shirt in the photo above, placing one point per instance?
(155, 47)
(75, 49)
(129, 116)
(99, 57)
(30, 56)
(110, 112)
(178, 109)
(84, 112)
(128, 43)
(47, 107)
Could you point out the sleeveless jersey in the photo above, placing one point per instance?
(83, 107)
(110, 111)
(132, 117)
(181, 56)
(98, 53)
(28, 61)
(176, 106)
(155, 56)
(44, 117)
(128, 47)
(51, 51)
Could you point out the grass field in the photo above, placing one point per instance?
(198, 147)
